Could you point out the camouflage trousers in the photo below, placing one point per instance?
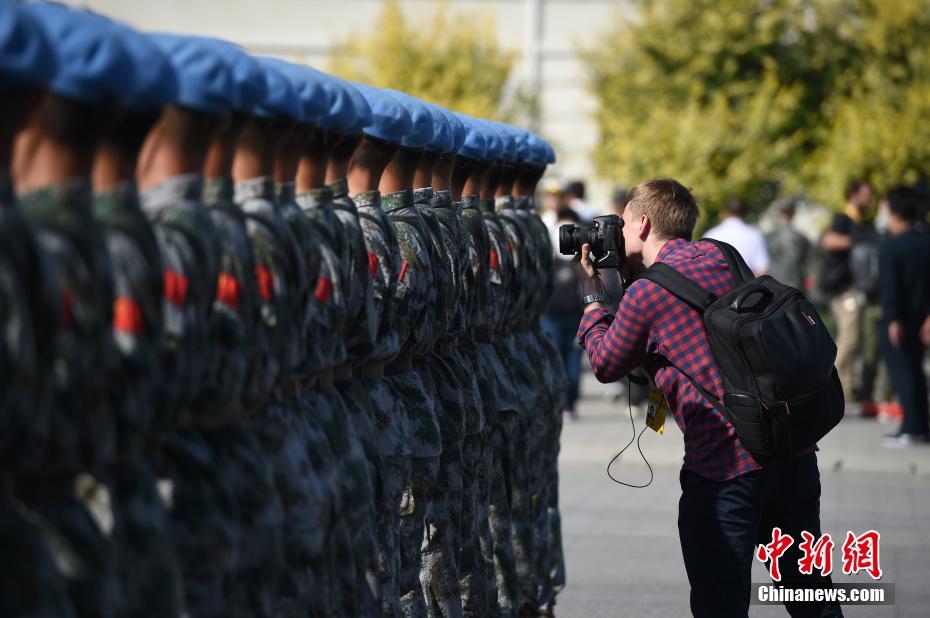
(555, 566)
(473, 585)
(30, 582)
(426, 447)
(390, 472)
(280, 430)
(249, 477)
(146, 560)
(500, 517)
(203, 521)
(439, 576)
(352, 525)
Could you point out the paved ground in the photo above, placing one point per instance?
(622, 551)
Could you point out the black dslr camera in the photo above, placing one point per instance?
(604, 236)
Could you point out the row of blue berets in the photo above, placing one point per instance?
(87, 57)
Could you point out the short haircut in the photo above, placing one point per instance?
(737, 207)
(669, 205)
(853, 186)
(575, 188)
(902, 202)
(567, 213)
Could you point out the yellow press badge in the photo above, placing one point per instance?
(656, 411)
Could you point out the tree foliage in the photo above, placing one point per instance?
(447, 58)
(761, 97)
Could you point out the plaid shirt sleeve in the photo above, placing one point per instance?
(616, 344)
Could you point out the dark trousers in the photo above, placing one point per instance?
(906, 370)
(563, 330)
(720, 524)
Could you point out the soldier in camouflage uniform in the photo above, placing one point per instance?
(202, 513)
(281, 424)
(533, 155)
(245, 470)
(55, 196)
(147, 562)
(351, 538)
(377, 146)
(30, 583)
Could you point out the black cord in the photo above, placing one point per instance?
(629, 401)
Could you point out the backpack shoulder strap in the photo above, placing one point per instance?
(740, 272)
(662, 361)
(680, 286)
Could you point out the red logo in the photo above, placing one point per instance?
(265, 280)
(860, 553)
(772, 552)
(228, 291)
(324, 288)
(175, 287)
(127, 316)
(373, 263)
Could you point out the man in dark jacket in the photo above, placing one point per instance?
(904, 264)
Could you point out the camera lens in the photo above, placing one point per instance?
(567, 239)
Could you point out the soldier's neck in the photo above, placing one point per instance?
(40, 161)
(491, 182)
(338, 166)
(400, 172)
(507, 178)
(314, 158)
(221, 154)
(367, 165)
(288, 159)
(424, 175)
(461, 173)
(255, 153)
(166, 154)
(111, 168)
(442, 173)
(527, 179)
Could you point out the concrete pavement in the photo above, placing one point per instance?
(622, 551)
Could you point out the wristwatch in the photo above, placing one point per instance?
(587, 299)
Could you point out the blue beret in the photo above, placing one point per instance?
(537, 155)
(204, 80)
(249, 87)
(92, 65)
(341, 113)
(495, 145)
(508, 141)
(280, 97)
(443, 139)
(363, 114)
(421, 131)
(521, 136)
(390, 120)
(458, 130)
(313, 97)
(475, 145)
(154, 81)
(25, 53)
(550, 153)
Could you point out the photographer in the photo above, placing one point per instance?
(730, 501)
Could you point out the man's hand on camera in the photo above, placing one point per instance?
(588, 277)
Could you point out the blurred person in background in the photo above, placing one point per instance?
(573, 196)
(904, 291)
(788, 249)
(551, 204)
(564, 313)
(850, 276)
(745, 238)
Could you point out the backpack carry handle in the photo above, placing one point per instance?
(738, 304)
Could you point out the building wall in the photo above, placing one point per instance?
(306, 30)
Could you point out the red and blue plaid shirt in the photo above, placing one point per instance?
(650, 321)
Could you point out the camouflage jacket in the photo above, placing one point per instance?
(500, 266)
(234, 320)
(455, 239)
(444, 265)
(358, 283)
(190, 256)
(137, 313)
(74, 243)
(526, 208)
(384, 264)
(276, 273)
(523, 251)
(30, 302)
(415, 280)
(329, 296)
(477, 281)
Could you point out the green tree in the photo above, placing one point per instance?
(449, 59)
(759, 97)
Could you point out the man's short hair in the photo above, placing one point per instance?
(853, 186)
(736, 207)
(567, 214)
(575, 188)
(902, 202)
(669, 205)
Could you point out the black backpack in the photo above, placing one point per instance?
(781, 390)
